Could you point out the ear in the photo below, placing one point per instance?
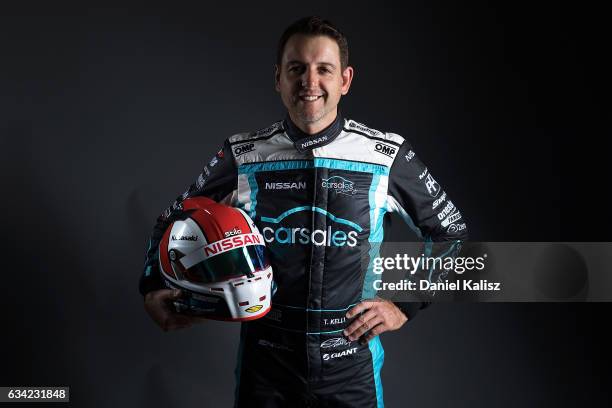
(347, 78)
(277, 78)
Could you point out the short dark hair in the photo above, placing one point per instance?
(314, 26)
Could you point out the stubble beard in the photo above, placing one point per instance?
(314, 117)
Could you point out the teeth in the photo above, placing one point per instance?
(310, 98)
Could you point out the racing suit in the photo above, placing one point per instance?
(319, 201)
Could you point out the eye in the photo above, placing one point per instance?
(324, 70)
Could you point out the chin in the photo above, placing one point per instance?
(313, 118)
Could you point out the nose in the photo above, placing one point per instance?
(309, 78)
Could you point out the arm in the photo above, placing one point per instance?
(424, 205)
(217, 181)
(417, 197)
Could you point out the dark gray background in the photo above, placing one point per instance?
(109, 113)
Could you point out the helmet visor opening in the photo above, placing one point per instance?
(235, 263)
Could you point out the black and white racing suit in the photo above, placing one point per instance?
(319, 201)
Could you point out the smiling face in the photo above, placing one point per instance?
(311, 81)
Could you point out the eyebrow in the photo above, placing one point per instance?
(318, 63)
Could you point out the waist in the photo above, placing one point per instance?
(310, 321)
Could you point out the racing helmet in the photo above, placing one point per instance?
(217, 257)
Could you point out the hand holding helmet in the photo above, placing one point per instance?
(158, 305)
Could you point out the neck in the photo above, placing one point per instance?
(307, 141)
(311, 128)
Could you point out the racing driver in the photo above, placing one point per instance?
(318, 187)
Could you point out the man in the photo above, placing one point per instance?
(318, 187)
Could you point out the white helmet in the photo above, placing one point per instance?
(217, 257)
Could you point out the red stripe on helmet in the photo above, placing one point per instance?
(217, 221)
(163, 255)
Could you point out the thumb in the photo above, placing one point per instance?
(169, 294)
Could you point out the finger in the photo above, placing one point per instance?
(358, 308)
(359, 321)
(166, 294)
(364, 328)
(175, 294)
(376, 331)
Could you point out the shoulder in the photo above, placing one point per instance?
(361, 143)
(358, 128)
(269, 143)
(265, 133)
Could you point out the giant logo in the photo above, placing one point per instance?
(331, 356)
(331, 236)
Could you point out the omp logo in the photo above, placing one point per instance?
(245, 148)
(339, 185)
(301, 185)
(433, 188)
(331, 356)
(438, 201)
(384, 149)
(254, 309)
(302, 235)
(335, 342)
